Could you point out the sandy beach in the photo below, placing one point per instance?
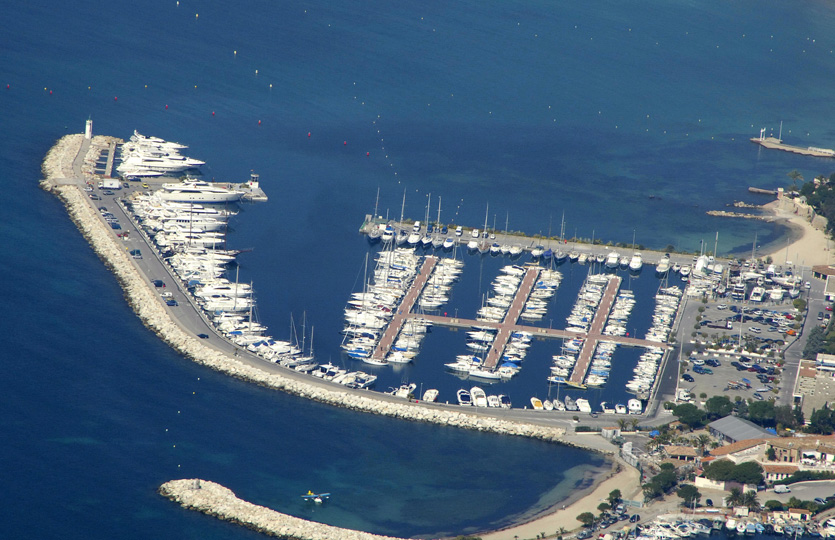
(806, 245)
(625, 478)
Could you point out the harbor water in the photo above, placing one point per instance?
(624, 118)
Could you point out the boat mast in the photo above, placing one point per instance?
(715, 245)
(780, 136)
(376, 203)
(428, 201)
(402, 207)
(439, 211)
(486, 212)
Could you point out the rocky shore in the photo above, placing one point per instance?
(215, 500)
(147, 305)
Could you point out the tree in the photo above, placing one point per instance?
(689, 414)
(586, 518)
(750, 500)
(785, 417)
(702, 441)
(603, 507)
(771, 454)
(822, 421)
(720, 470)
(614, 497)
(749, 472)
(718, 406)
(773, 505)
(762, 413)
(795, 176)
(734, 498)
(689, 494)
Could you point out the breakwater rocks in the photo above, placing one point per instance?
(215, 500)
(150, 309)
(723, 213)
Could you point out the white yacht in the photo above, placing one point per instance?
(198, 191)
(478, 396)
(612, 260)
(634, 406)
(636, 263)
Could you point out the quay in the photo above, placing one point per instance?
(111, 155)
(777, 144)
(595, 333)
(403, 310)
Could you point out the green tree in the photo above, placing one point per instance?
(689, 414)
(822, 421)
(762, 413)
(749, 472)
(586, 518)
(603, 507)
(771, 454)
(689, 494)
(784, 416)
(734, 498)
(750, 500)
(720, 470)
(773, 505)
(718, 406)
(795, 176)
(614, 497)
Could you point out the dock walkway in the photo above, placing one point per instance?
(404, 309)
(777, 144)
(111, 155)
(595, 332)
(511, 317)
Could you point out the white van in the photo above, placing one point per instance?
(782, 488)
(459, 230)
(416, 228)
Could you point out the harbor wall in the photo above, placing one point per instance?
(218, 501)
(146, 304)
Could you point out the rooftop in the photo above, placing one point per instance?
(739, 429)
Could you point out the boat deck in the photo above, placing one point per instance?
(404, 310)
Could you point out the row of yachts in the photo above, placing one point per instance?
(143, 156)
(569, 404)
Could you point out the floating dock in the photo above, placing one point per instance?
(777, 144)
(595, 333)
(511, 318)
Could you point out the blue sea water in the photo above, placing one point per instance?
(537, 108)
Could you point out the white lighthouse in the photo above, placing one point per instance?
(88, 129)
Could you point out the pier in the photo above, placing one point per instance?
(111, 155)
(511, 318)
(404, 309)
(595, 332)
(777, 144)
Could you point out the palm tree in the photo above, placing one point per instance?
(795, 176)
(735, 497)
(634, 423)
(750, 500)
(702, 441)
(622, 424)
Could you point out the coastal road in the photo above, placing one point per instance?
(805, 491)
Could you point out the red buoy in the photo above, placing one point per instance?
(213, 113)
(166, 106)
(115, 98)
(345, 143)
(50, 92)
(259, 122)
(308, 134)
(368, 153)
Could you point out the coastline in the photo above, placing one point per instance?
(805, 244)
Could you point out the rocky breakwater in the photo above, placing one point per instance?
(215, 500)
(142, 297)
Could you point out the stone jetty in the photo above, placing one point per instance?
(215, 500)
(65, 184)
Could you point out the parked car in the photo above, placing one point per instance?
(758, 396)
(687, 377)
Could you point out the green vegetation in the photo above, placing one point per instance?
(718, 407)
(614, 497)
(822, 421)
(689, 495)
(586, 518)
(689, 414)
(725, 470)
(802, 476)
(661, 483)
(822, 199)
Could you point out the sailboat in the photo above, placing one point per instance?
(426, 241)
(438, 238)
(484, 246)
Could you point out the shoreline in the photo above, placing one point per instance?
(805, 244)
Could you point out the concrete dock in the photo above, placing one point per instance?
(403, 310)
(511, 318)
(578, 375)
(777, 144)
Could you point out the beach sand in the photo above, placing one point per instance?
(805, 246)
(626, 479)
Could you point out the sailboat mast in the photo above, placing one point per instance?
(376, 203)
(716, 244)
(439, 211)
(486, 213)
(402, 207)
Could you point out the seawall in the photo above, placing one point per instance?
(145, 303)
(215, 500)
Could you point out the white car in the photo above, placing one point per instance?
(459, 230)
(722, 306)
(475, 233)
(808, 285)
